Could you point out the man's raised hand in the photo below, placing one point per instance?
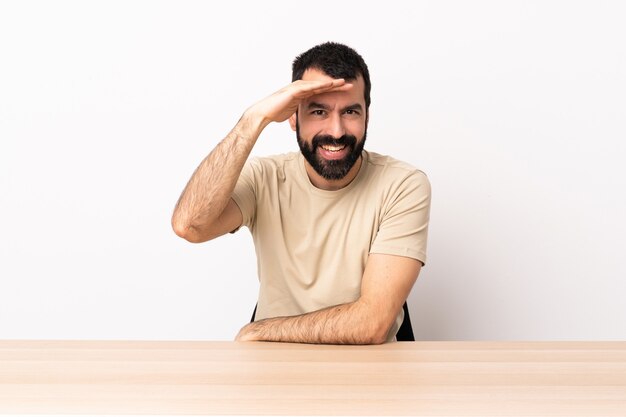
(282, 104)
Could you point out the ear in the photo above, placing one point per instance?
(293, 120)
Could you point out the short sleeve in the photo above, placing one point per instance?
(245, 192)
(403, 230)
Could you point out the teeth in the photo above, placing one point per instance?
(333, 148)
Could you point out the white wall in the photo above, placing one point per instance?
(514, 109)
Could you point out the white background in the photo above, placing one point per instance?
(515, 110)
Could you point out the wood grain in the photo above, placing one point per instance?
(419, 378)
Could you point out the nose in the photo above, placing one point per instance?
(335, 126)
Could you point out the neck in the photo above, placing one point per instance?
(332, 185)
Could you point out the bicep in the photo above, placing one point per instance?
(387, 282)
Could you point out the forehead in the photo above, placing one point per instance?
(355, 95)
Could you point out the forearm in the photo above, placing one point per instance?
(351, 323)
(210, 187)
(209, 190)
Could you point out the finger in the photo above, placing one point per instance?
(344, 87)
(318, 84)
(341, 87)
(319, 87)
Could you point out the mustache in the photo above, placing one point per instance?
(319, 140)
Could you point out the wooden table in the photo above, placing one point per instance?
(409, 378)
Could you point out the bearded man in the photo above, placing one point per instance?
(340, 232)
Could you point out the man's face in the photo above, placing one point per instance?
(331, 128)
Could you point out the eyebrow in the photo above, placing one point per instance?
(315, 105)
(355, 106)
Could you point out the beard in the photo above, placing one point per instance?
(331, 169)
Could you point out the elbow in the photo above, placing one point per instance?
(372, 338)
(185, 231)
(379, 335)
(375, 323)
(377, 332)
(193, 233)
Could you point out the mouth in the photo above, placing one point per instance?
(333, 152)
(333, 148)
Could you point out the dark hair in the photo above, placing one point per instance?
(335, 60)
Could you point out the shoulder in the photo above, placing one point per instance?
(275, 160)
(394, 171)
(273, 165)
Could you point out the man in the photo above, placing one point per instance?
(340, 233)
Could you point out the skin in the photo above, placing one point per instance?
(333, 113)
(206, 210)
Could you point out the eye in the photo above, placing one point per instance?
(352, 112)
(318, 112)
